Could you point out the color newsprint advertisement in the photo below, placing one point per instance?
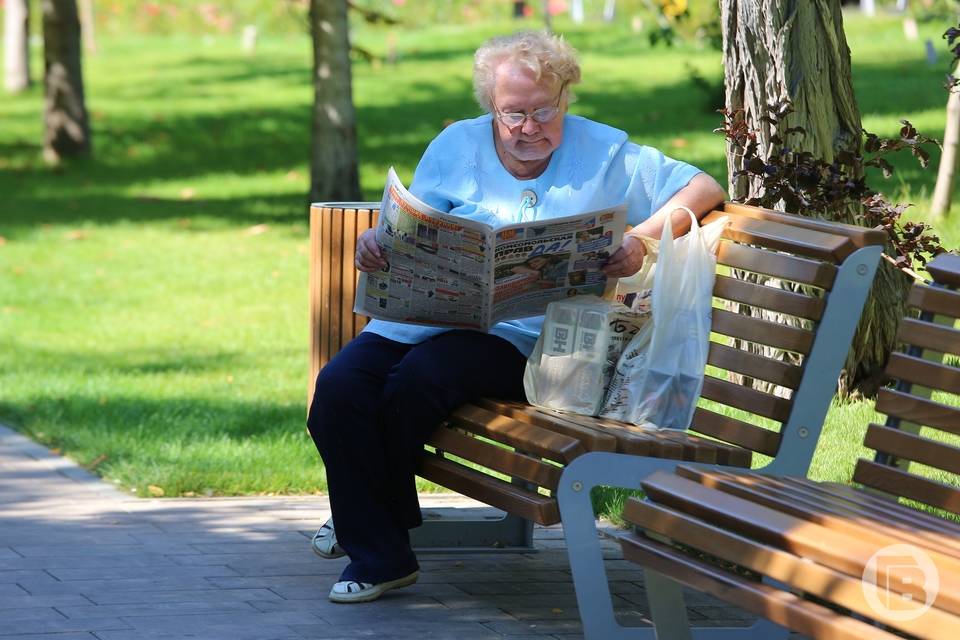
(448, 271)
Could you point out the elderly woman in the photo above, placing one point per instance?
(379, 399)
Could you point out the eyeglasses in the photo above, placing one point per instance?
(543, 115)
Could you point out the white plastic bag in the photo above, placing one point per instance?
(577, 352)
(660, 373)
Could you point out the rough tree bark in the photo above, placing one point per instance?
(16, 45)
(333, 172)
(796, 50)
(66, 124)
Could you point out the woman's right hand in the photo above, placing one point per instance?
(369, 257)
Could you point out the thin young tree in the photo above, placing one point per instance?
(66, 123)
(333, 172)
(946, 173)
(778, 51)
(16, 45)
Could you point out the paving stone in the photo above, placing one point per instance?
(62, 625)
(134, 573)
(274, 632)
(399, 629)
(183, 595)
(200, 623)
(24, 601)
(52, 636)
(99, 561)
(79, 559)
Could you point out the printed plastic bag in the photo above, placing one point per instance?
(660, 374)
(634, 291)
(577, 351)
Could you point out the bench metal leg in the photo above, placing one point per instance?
(586, 559)
(464, 529)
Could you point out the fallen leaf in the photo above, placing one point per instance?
(187, 193)
(76, 234)
(189, 494)
(155, 491)
(679, 143)
(3, 241)
(293, 175)
(96, 462)
(256, 229)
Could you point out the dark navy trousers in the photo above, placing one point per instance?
(376, 403)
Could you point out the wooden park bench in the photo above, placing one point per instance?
(823, 559)
(511, 455)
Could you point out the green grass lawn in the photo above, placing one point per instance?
(153, 300)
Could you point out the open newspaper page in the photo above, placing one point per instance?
(538, 262)
(438, 270)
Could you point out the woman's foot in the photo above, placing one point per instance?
(348, 591)
(324, 542)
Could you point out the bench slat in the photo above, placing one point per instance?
(772, 298)
(945, 269)
(348, 274)
(825, 508)
(924, 372)
(934, 300)
(519, 435)
(493, 491)
(915, 448)
(778, 265)
(737, 432)
(738, 325)
(908, 485)
(782, 566)
(782, 607)
(919, 410)
(839, 551)
(782, 237)
(882, 504)
(755, 366)
(505, 461)
(745, 398)
(860, 236)
(593, 439)
(929, 336)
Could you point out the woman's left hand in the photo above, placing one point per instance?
(628, 259)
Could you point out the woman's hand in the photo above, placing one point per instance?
(369, 257)
(628, 259)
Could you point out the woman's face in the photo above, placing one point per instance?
(516, 91)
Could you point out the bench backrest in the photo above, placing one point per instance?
(818, 256)
(931, 362)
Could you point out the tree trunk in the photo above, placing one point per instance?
(66, 125)
(333, 173)
(776, 50)
(943, 192)
(87, 27)
(16, 45)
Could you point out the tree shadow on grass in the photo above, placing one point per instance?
(135, 157)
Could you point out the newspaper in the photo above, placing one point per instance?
(448, 271)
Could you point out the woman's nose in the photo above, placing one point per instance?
(530, 126)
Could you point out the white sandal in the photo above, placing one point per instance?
(324, 542)
(349, 591)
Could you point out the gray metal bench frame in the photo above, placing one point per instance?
(799, 437)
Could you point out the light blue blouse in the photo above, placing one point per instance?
(595, 167)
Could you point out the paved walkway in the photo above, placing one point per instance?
(81, 560)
